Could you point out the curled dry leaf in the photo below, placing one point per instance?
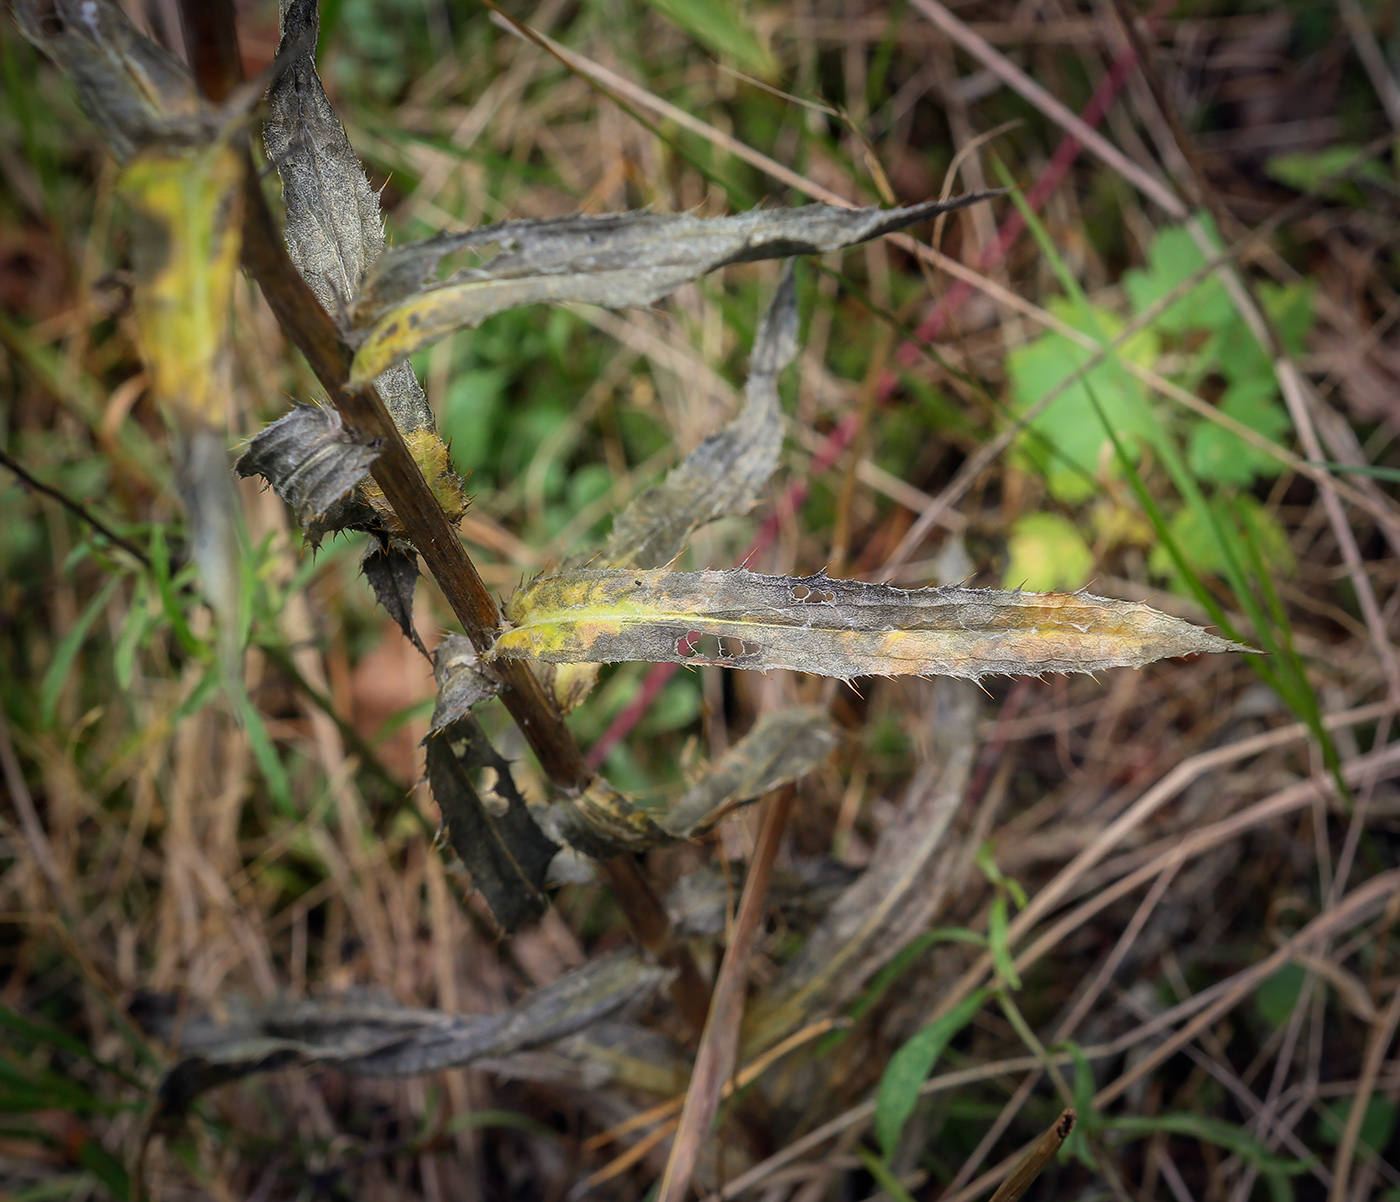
(500, 843)
(391, 567)
(782, 746)
(314, 462)
(620, 260)
(726, 472)
(385, 1040)
(919, 861)
(841, 628)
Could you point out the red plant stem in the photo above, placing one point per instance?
(934, 322)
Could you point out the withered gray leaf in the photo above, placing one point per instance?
(377, 1040)
(334, 230)
(700, 903)
(917, 864)
(500, 844)
(135, 92)
(726, 472)
(841, 628)
(620, 260)
(391, 567)
(461, 681)
(782, 746)
(314, 463)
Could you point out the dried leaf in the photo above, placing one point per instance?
(135, 92)
(314, 463)
(726, 472)
(334, 230)
(620, 260)
(841, 628)
(367, 1039)
(462, 684)
(391, 567)
(500, 844)
(782, 746)
(918, 863)
(702, 902)
(186, 205)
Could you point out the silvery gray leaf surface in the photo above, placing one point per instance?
(499, 842)
(385, 1040)
(314, 463)
(782, 746)
(725, 473)
(334, 230)
(620, 260)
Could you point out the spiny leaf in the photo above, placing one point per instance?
(391, 567)
(841, 628)
(334, 233)
(134, 91)
(314, 463)
(725, 473)
(367, 1039)
(501, 845)
(782, 746)
(461, 682)
(620, 260)
(334, 230)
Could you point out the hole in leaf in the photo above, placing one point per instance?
(805, 595)
(688, 644)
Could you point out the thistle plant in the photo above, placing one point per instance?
(366, 456)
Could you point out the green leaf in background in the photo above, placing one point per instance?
(1217, 455)
(1304, 170)
(1276, 1170)
(470, 414)
(1172, 257)
(1047, 554)
(1196, 538)
(1377, 1127)
(909, 1068)
(1277, 996)
(1234, 351)
(724, 28)
(1070, 422)
(56, 676)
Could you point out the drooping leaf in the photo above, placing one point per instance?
(841, 628)
(919, 862)
(391, 567)
(620, 260)
(134, 91)
(186, 205)
(314, 463)
(910, 1067)
(501, 844)
(386, 1040)
(462, 684)
(783, 745)
(725, 473)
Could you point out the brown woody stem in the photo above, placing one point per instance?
(214, 51)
